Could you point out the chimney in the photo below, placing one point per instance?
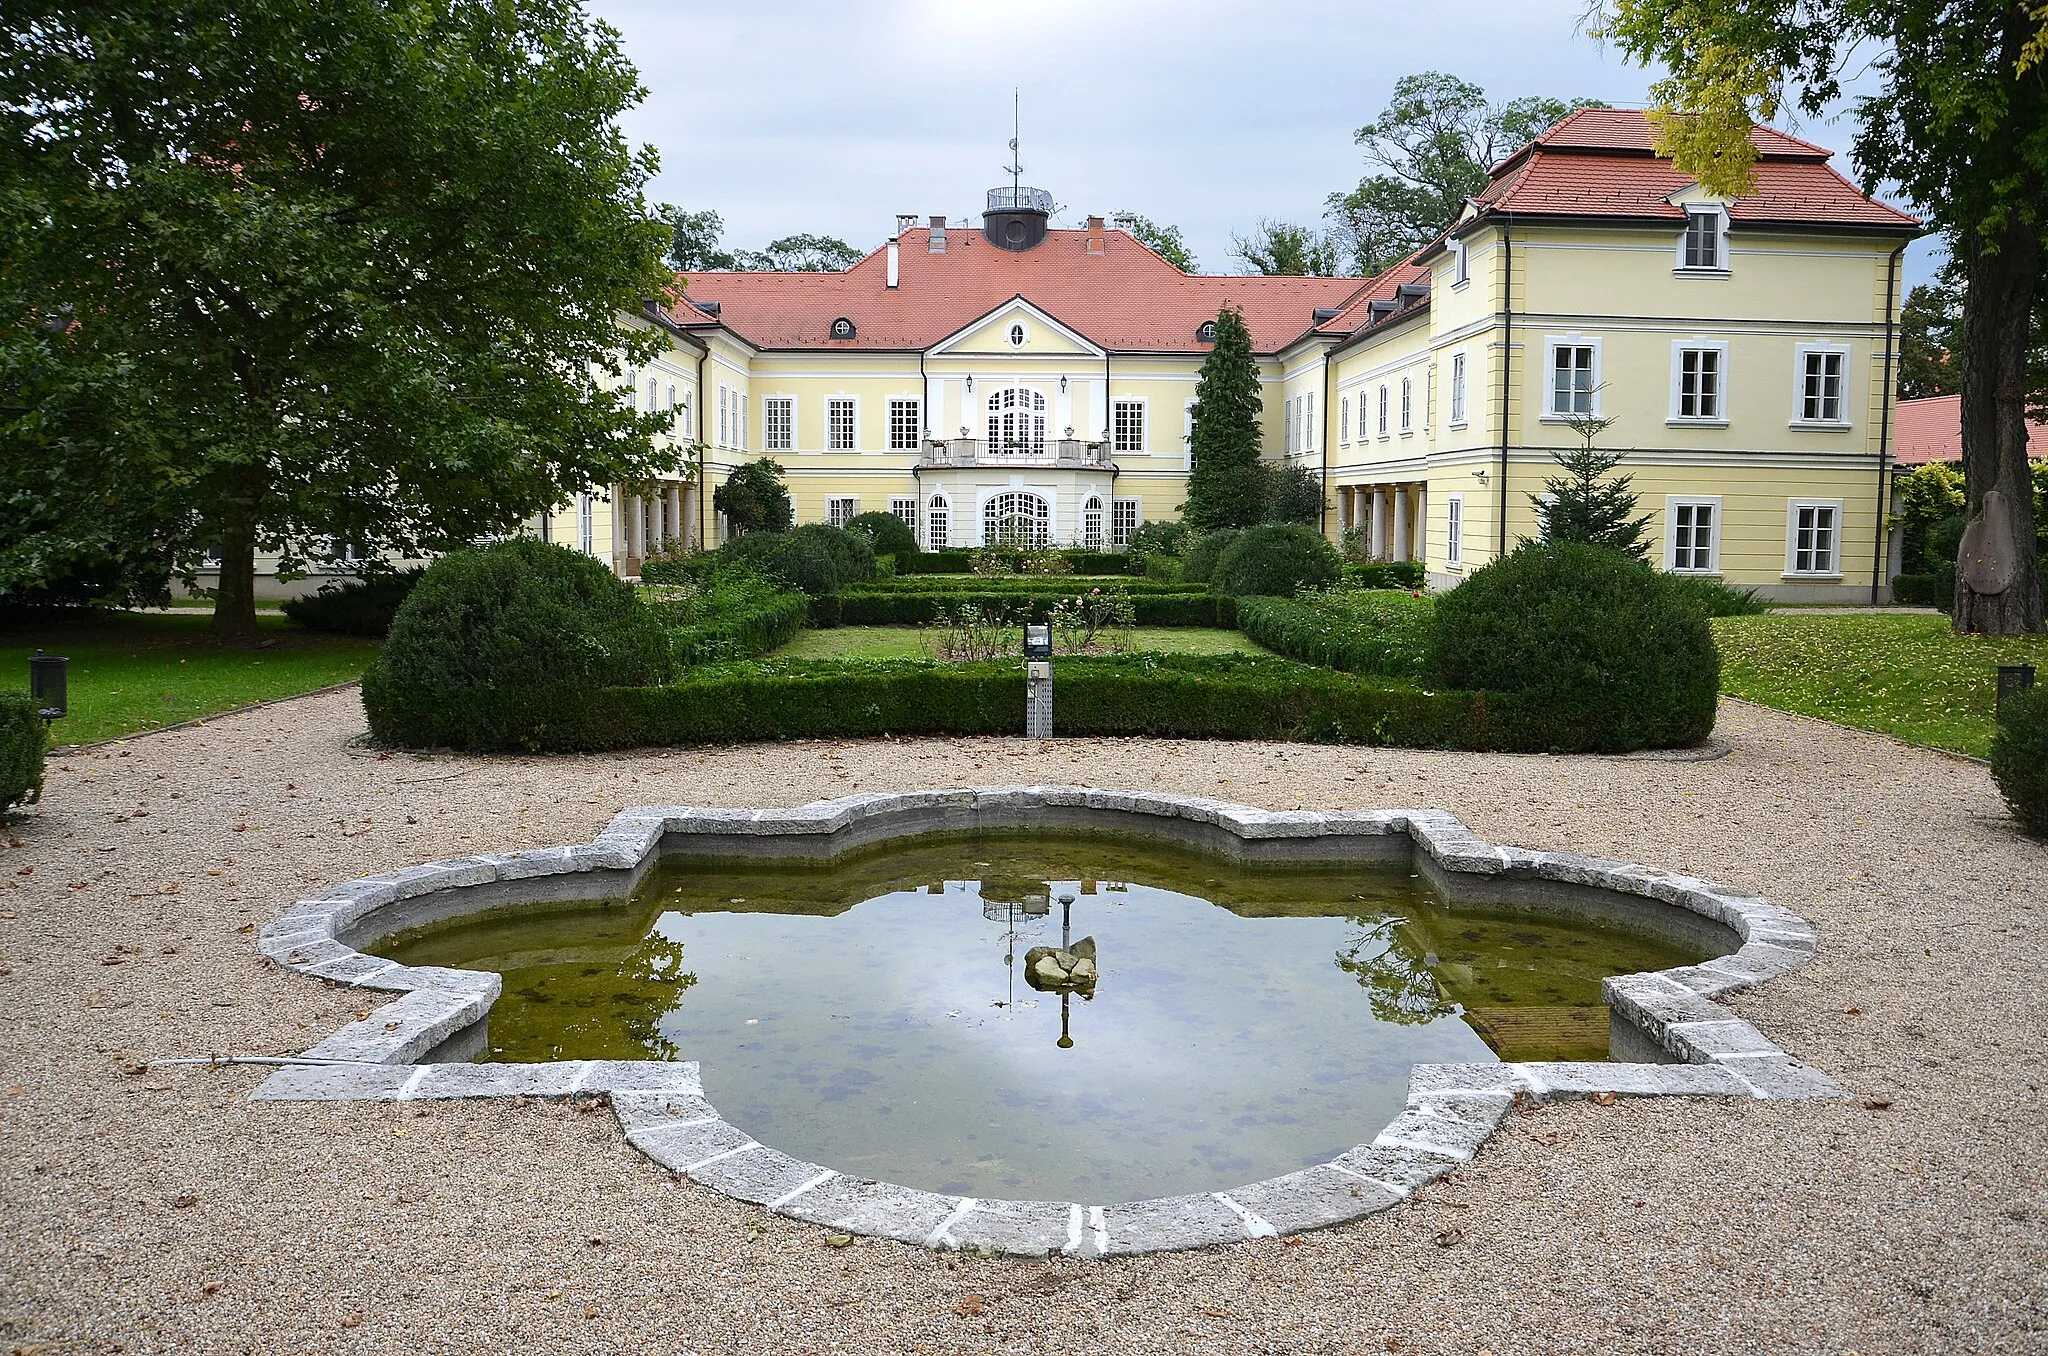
(894, 261)
(1095, 240)
(938, 245)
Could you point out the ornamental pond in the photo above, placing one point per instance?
(917, 1011)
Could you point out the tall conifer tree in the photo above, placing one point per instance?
(1225, 485)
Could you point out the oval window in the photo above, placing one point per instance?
(1016, 336)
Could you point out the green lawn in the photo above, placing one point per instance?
(1902, 675)
(908, 642)
(135, 671)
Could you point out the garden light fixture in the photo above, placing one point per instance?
(2013, 679)
(49, 684)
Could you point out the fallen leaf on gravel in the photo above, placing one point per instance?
(1853, 1012)
(1217, 1313)
(597, 1240)
(184, 1202)
(246, 927)
(838, 1240)
(1393, 1344)
(1601, 1098)
(969, 1306)
(210, 1288)
(17, 1089)
(352, 1319)
(134, 1068)
(1292, 1243)
(1450, 1237)
(590, 1311)
(1877, 1104)
(26, 871)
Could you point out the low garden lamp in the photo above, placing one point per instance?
(49, 684)
(2013, 679)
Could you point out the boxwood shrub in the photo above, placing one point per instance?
(1375, 631)
(24, 740)
(1177, 696)
(361, 607)
(946, 584)
(494, 647)
(1599, 655)
(1201, 555)
(933, 562)
(1277, 560)
(879, 607)
(2019, 758)
(891, 535)
(1383, 574)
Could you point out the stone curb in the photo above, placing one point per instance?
(1450, 1112)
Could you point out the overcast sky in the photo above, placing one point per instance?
(832, 116)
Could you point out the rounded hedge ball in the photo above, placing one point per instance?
(1202, 552)
(1597, 652)
(1277, 560)
(890, 534)
(2019, 758)
(498, 648)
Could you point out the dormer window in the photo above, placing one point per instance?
(842, 328)
(1461, 264)
(1016, 336)
(1703, 248)
(1205, 333)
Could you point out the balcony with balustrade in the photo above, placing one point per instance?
(1072, 454)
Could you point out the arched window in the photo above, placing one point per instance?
(1091, 522)
(938, 521)
(1205, 333)
(1016, 423)
(842, 328)
(1016, 518)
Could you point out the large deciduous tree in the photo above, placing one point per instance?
(1282, 248)
(1959, 121)
(349, 271)
(1226, 483)
(1432, 147)
(1164, 241)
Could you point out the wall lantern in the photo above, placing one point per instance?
(1063, 383)
(49, 684)
(970, 383)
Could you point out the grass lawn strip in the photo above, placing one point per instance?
(1901, 675)
(133, 671)
(914, 642)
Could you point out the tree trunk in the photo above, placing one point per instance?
(1996, 315)
(234, 602)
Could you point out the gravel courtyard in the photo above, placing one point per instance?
(162, 1211)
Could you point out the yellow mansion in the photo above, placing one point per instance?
(960, 377)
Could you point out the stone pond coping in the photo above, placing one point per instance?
(406, 1049)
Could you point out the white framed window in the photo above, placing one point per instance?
(1454, 531)
(1016, 518)
(1123, 521)
(586, 514)
(633, 386)
(1703, 246)
(1128, 425)
(1187, 433)
(1016, 422)
(1091, 521)
(1813, 537)
(1407, 404)
(689, 418)
(1457, 390)
(1461, 264)
(1383, 409)
(1823, 394)
(1344, 421)
(1017, 335)
(1308, 422)
(653, 394)
(1699, 382)
(778, 423)
(904, 506)
(1692, 537)
(1287, 418)
(722, 418)
(938, 520)
(840, 421)
(841, 509)
(906, 427)
(1363, 406)
(671, 406)
(1572, 375)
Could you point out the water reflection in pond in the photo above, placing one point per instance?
(890, 1015)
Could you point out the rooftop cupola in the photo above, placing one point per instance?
(1016, 218)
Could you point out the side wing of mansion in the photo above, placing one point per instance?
(1016, 374)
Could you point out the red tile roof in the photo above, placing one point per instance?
(1932, 430)
(1125, 299)
(1598, 162)
(1360, 315)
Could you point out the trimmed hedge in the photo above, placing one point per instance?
(962, 562)
(768, 625)
(2019, 759)
(1712, 597)
(1179, 697)
(24, 740)
(1601, 657)
(1201, 554)
(1935, 588)
(877, 607)
(362, 607)
(1375, 632)
(1383, 574)
(1275, 560)
(1105, 562)
(933, 562)
(497, 645)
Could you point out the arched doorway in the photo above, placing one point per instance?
(1091, 522)
(1016, 518)
(1016, 423)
